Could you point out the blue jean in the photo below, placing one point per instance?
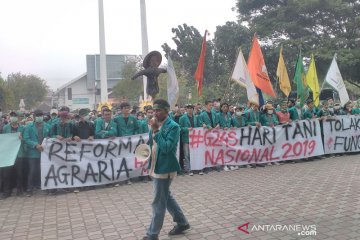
(164, 200)
(187, 165)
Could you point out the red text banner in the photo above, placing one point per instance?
(240, 146)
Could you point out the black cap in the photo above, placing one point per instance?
(38, 113)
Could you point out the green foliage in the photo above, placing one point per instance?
(316, 26)
(31, 88)
(131, 89)
(6, 96)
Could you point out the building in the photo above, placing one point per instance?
(84, 90)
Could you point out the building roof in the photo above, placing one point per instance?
(71, 82)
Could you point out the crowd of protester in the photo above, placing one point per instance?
(123, 120)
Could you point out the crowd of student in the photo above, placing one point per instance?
(123, 120)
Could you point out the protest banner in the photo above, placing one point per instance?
(248, 145)
(342, 134)
(88, 163)
(9, 147)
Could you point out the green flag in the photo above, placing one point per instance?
(9, 147)
(300, 80)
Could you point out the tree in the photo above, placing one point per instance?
(316, 26)
(31, 88)
(6, 96)
(131, 89)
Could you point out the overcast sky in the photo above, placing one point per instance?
(50, 38)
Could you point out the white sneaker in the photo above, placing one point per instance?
(116, 185)
(191, 174)
(233, 168)
(268, 164)
(276, 163)
(201, 173)
(248, 166)
(226, 168)
(129, 182)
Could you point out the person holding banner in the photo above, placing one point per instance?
(17, 169)
(63, 129)
(84, 129)
(105, 127)
(269, 118)
(238, 119)
(253, 115)
(283, 115)
(310, 112)
(163, 167)
(209, 119)
(34, 134)
(187, 121)
(126, 123)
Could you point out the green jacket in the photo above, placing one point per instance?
(167, 141)
(143, 126)
(267, 120)
(294, 114)
(307, 114)
(224, 121)
(102, 132)
(65, 132)
(126, 129)
(185, 125)
(31, 138)
(238, 121)
(204, 119)
(252, 117)
(20, 129)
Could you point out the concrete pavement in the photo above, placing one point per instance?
(275, 202)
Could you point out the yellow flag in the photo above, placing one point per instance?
(312, 81)
(283, 76)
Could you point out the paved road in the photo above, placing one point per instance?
(324, 193)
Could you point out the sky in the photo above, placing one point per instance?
(50, 38)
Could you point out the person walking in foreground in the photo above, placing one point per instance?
(163, 167)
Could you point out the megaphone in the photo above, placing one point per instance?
(143, 152)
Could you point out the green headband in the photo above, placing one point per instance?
(160, 106)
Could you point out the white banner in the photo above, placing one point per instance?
(88, 163)
(342, 134)
(248, 145)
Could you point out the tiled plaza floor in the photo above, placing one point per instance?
(324, 193)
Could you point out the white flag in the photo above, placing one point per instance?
(241, 76)
(334, 78)
(172, 84)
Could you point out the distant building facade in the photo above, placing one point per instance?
(84, 91)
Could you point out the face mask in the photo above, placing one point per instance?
(238, 114)
(86, 118)
(270, 111)
(13, 119)
(39, 119)
(298, 104)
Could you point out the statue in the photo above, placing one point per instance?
(22, 105)
(152, 71)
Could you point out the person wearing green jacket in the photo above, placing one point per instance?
(144, 125)
(8, 172)
(126, 123)
(34, 135)
(105, 127)
(269, 118)
(310, 112)
(238, 119)
(187, 121)
(208, 118)
(224, 116)
(163, 166)
(63, 130)
(295, 110)
(253, 115)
